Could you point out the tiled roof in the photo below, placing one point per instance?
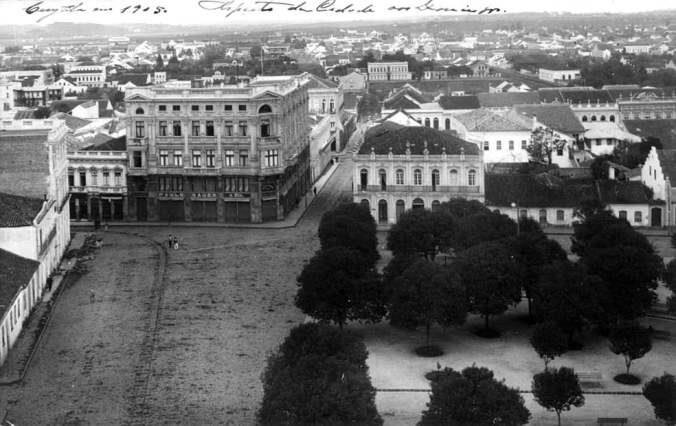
(70, 103)
(73, 123)
(103, 142)
(616, 192)
(507, 100)
(459, 102)
(24, 163)
(391, 135)
(558, 117)
(16, 210)
(541, 190)
(575, 96)
(136, 79)
(24, 114)
(401, 102)
(15, 273)
(482, 120)
(608, 130)
(664, 130)
(668, 162)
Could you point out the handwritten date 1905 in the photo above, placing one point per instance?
(142, 8)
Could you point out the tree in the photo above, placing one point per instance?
(424, 294)
(631, 341)
(350, 225)
(482, 227)
(557, 390)
(337, 285)
(661, 392)
(159, 63)
(318, 376)
(473, 397)
(420, 232)
(42, 112)
(544, 142)
(460, 208)
(490, 274)
(567, 295)
(256, 51)
(549, 341)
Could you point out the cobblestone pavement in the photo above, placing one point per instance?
(174, 336)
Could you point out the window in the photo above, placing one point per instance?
(139, 111)
(498, 145)
(598, 142)
(435, 179)
(163, 128)
(210, 158)
(383, 179)
(364, 178)
(435, 123)
(486, 145)
(271, 158)
(559, 152)
(137, 159)
(448, 124)
(196, 158)
(511, 145)
(242, 128)
(417, 177)
(209, 108)
(118, 178)
(228, 107)
(453, 178)
(210, 128)
(71, 179)
(140, 129)
(243, 158)
(323, 105)
(162, 108)
(603, 118)
(593, 118)
(612, 118)
(584, 118)
(229, 158)
(543, 216)
(265, 109)
(241, 108)
(177, 128)
(427, 122)
(164, 158)
(175, 107)
(265, 128)
(194, 107)
(623, 214)
(399, 176)
(471, 178)
(609, 141)
(638, 217)
(178, 158)
(195, 128)
(560, 216)
(106, 178)
(524, 145)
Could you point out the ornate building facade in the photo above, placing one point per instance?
(222, 154)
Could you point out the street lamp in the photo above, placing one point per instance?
(516, 207)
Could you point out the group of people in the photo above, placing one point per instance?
(173, 242)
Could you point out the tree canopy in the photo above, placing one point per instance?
(350, 225)
(557, 390)
(473, 397)
(631, 341)
(544, 142)
(661, 392)
(549, 341)
(421, 232)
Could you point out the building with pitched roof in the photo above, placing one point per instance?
(378, 71)
(88, 75)
(502, 139)
(226, 154)
(414, 167)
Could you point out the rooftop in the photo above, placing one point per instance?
(557, 117)
(397, 138)
(482, 120)
(539, 190)
(15, 273)
(16, 210)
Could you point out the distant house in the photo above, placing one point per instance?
(93, 109)
(353, 82)
(379, 71)
(69, 86)
(637, 48)
(128, 81)
(559, 75)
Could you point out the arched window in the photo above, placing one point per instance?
(435, 179)
(418, 204)
(448, 124)
(332, 106)
(382, 211)
(453, 181)
(383, 179)
(593, 118)
(264, 109)
(401, 207)
(323, 105)
(436, 123)
(612, 118)
(436, 205)
(584, 118)
(399, 177)
(427, 122)
(366, 204)
(417, 177)
(603, 118)
(364, 179)
(471, 178)
(139, 111)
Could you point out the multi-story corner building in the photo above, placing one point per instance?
(97, 178)
(379, 71)
(413, 167)
(221, 154)
(37, 95)
(88, 75)
(34, 225)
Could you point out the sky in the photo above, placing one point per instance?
(244, 12)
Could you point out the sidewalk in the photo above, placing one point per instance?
(290, 221)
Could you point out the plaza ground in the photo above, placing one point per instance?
(182, 336)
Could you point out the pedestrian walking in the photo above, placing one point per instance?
(92, 296)
(170, 241)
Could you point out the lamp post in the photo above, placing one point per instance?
(516, 207)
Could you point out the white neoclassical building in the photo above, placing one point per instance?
(412, 167)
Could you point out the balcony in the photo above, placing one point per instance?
(441, 189)
(110, 189)
(170, 195)
(138, 141)
(203, 196)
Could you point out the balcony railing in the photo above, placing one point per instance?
(420, 188)
(112, 189)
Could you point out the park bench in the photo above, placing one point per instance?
(590, 379)
(611, 421)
